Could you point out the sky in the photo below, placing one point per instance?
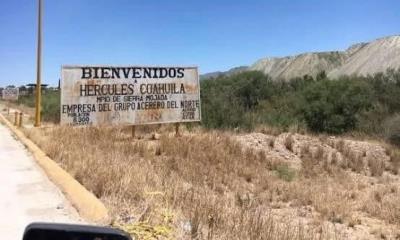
(211, 34)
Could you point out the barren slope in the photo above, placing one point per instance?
(359, 59)
(376, 56)
(300, 65)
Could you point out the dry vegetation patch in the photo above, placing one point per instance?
(215, 185)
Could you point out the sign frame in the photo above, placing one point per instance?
(69, 66)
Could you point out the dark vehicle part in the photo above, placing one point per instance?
(54, 231)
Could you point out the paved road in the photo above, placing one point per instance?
(26, 194)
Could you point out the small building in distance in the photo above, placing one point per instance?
(32, 88)
(23, 90)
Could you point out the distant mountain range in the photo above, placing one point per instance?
(229, 72)
(359, 59)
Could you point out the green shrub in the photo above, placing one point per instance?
(333, 106)
(392, 129)
(285, 173)
(50, 105)
(230, 102)
(28, 100)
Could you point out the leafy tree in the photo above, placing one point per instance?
(246, 99)
(332, 106)
(252, 87)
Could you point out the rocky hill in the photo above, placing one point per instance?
(360, 59)
(300, 65)
(370, 58)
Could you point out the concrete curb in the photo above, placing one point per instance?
(89, 207)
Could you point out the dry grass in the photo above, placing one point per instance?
(358, 161)
(376, 166)
(394, 154)
(205, 186)
(270, 130)
(383, 203)
(289, 142)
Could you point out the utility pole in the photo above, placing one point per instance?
(38, 67)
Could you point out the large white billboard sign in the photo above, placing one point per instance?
(129, 95)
